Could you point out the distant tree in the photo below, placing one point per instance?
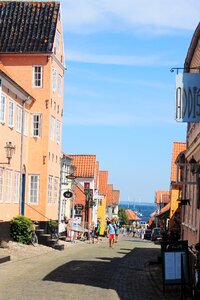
(122, 216)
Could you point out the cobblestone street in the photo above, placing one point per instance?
(88, 271)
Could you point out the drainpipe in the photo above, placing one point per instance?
(22, 154)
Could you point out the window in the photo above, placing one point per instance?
(52, 128)
(8, 185)
(54, 78)
(37, 76)
(59, 85)
(86, 185)
(16, 187)
(100, 202)
(36, 125)
(58, 41)
(11, 114)
(19, 119)
(33, 189)
(1, 184)
(50, 180)
(56, 180)
(2, 109)
(58, 132)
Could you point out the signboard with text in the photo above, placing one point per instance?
(188, 97)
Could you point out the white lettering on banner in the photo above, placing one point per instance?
(188, 97)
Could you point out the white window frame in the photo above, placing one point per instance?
(34, 187)
(19, 119)
(58, 131)
(56, 182)
(1, 184)
(59, 85)
(8, 185)
(52, 128)
(36, 131)
(11, 107)
(3, 109)
(54, 79)
(37, 76)
(50, 189)
(16, 187)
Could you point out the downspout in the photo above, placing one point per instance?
(22, 153)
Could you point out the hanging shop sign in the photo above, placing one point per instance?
(188, 97)
(68, 194)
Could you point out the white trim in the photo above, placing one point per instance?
(11, 124)
(3, 120)
(37, 189)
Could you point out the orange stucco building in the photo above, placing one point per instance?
(31, 53)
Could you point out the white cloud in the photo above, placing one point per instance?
(153, 16)
(132, 60)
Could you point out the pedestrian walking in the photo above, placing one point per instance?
(97, 231)
(92, 232)
(111, 233)
(117, 230)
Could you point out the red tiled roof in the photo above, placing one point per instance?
(115, 197)
(177, 148)
(85, 165)
(162, 197)
(103, 182)
(109, 196)
(131, 215)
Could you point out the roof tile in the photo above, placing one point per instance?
(85, 165)
(28, 26)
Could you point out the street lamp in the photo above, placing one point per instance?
(9, 153)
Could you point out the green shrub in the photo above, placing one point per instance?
(20, 229)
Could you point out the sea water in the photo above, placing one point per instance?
(143, 210)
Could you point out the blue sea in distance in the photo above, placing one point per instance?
(144, 209)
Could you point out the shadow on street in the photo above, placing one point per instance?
(130, 276)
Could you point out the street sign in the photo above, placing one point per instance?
(68, 194)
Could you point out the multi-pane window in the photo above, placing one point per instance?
(59, 85)
(2, 109)
(50, 180)
(58, 41)
(58, 132)
(37, 76)
(54, 78)
(1, 184)
(36, 125)
(56, 181)
(19, 119)
(11, 114)
(33, 189)
(8, 185)
(52, 128)
(16, 187)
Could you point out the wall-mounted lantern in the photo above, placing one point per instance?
(10, 149)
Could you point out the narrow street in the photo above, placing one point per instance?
(88, 271)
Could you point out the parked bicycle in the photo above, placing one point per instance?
(34, 238)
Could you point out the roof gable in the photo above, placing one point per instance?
(27, 27)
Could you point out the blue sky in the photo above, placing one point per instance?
(119, 91)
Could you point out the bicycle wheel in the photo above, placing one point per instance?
(34, 239)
